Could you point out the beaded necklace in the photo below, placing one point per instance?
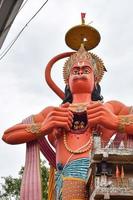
(87, 146)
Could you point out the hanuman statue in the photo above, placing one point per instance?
(70, 126)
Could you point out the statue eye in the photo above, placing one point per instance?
(86, 71)
(75, 72)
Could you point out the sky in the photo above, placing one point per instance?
(22, 84)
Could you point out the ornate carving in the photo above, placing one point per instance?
(34, 128)
(84, 56)
(123, 122)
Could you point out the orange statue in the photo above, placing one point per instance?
(71, 125)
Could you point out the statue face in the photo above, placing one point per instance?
(81, 79)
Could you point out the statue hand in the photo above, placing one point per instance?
(58, 117)
(100, 114)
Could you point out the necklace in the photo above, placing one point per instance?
(78, 107)
(87, 146)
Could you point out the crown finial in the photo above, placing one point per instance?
(82, 34)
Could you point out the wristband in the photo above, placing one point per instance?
(123, 122)
(34, 128)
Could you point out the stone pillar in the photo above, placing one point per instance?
(97, 140)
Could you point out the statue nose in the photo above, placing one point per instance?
(80, 72)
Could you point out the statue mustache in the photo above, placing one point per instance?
(80, 77)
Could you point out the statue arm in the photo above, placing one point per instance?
(18, 133)
(125, 117)
(112, 115)
(44, 124)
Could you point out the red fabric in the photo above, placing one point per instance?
(83, 15)
(47, 151)
(117, 172)
(31, 180)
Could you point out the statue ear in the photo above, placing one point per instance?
(95, 79)
(96, 85)
(67, 87)
(68, 95)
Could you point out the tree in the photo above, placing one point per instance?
(45, 176)
(10, 189)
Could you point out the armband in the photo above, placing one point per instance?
(34, 128)
(123, 122)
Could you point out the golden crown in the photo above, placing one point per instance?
(84, 56)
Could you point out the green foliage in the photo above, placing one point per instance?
(10, 189)
(45, 175)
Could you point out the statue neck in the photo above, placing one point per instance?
(82, 97)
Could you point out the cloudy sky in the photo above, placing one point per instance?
(22, 85)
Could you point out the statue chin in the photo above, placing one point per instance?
(80, 122)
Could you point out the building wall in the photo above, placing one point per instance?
(8, 12)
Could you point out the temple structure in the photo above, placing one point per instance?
(111, 174)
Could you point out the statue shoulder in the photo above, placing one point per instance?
(118, 107)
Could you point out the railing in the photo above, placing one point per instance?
(115, 191)
(113, 187)
(115, 182)
(117, 145)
